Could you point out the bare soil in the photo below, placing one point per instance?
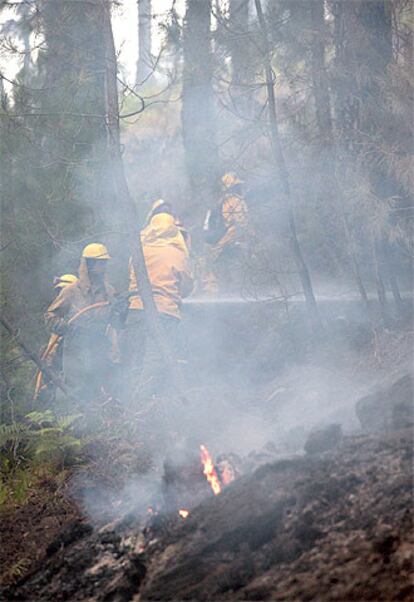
(27, 530)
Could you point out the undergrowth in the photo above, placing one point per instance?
(41, 443)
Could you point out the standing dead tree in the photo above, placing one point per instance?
(280, 166)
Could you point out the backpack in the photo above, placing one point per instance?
(214, 225)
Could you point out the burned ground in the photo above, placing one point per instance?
(303, 516)
(336, 526)
(26, 531)
(332, 524)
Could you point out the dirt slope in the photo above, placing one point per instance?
(333, 527)
(27, 530)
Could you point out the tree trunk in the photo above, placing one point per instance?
(26, 44)
(328, 151)
(379, 283)
(239, 27)
(197, 113)
(144, 63)
(376, 21)
(241, 60)
(73, 130)
(281, 168)
(3, 95)
(363, 45)
(346, 92)
(129, 210)
(319, 79)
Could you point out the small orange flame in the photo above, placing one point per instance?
(209, 470)
(183, 513)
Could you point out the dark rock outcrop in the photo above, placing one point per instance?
(390, 408)
(324, 439)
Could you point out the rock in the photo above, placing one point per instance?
(324, 439)
(390, 408)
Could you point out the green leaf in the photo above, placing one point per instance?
(41, 417)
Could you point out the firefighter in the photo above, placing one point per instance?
(184, 233)
(158, 206)
(61, 282)
(161, 206)
(167, 261)
(225, 230)
(45, 390)
(82, 314)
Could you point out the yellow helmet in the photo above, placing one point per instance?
(95, 250)
(230, 179)
(63, 281)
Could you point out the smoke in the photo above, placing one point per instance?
(249, 384)
(103, 504)
(250, 368)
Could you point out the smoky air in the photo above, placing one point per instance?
(206, 300)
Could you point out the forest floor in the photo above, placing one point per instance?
(28, 529)
(335, 525)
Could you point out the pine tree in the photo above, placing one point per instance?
(197, 113)
(144, 63)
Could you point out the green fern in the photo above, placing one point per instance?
(40, 418)
(64, 422)
(42, 439)
(10, 432)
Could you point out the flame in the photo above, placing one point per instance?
(209, 470)
(183, 513)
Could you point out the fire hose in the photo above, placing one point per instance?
(55, 339)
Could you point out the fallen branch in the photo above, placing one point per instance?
(43, 367)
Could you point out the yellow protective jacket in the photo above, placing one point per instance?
(78, 296)
(167, 260)
(235, 215)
